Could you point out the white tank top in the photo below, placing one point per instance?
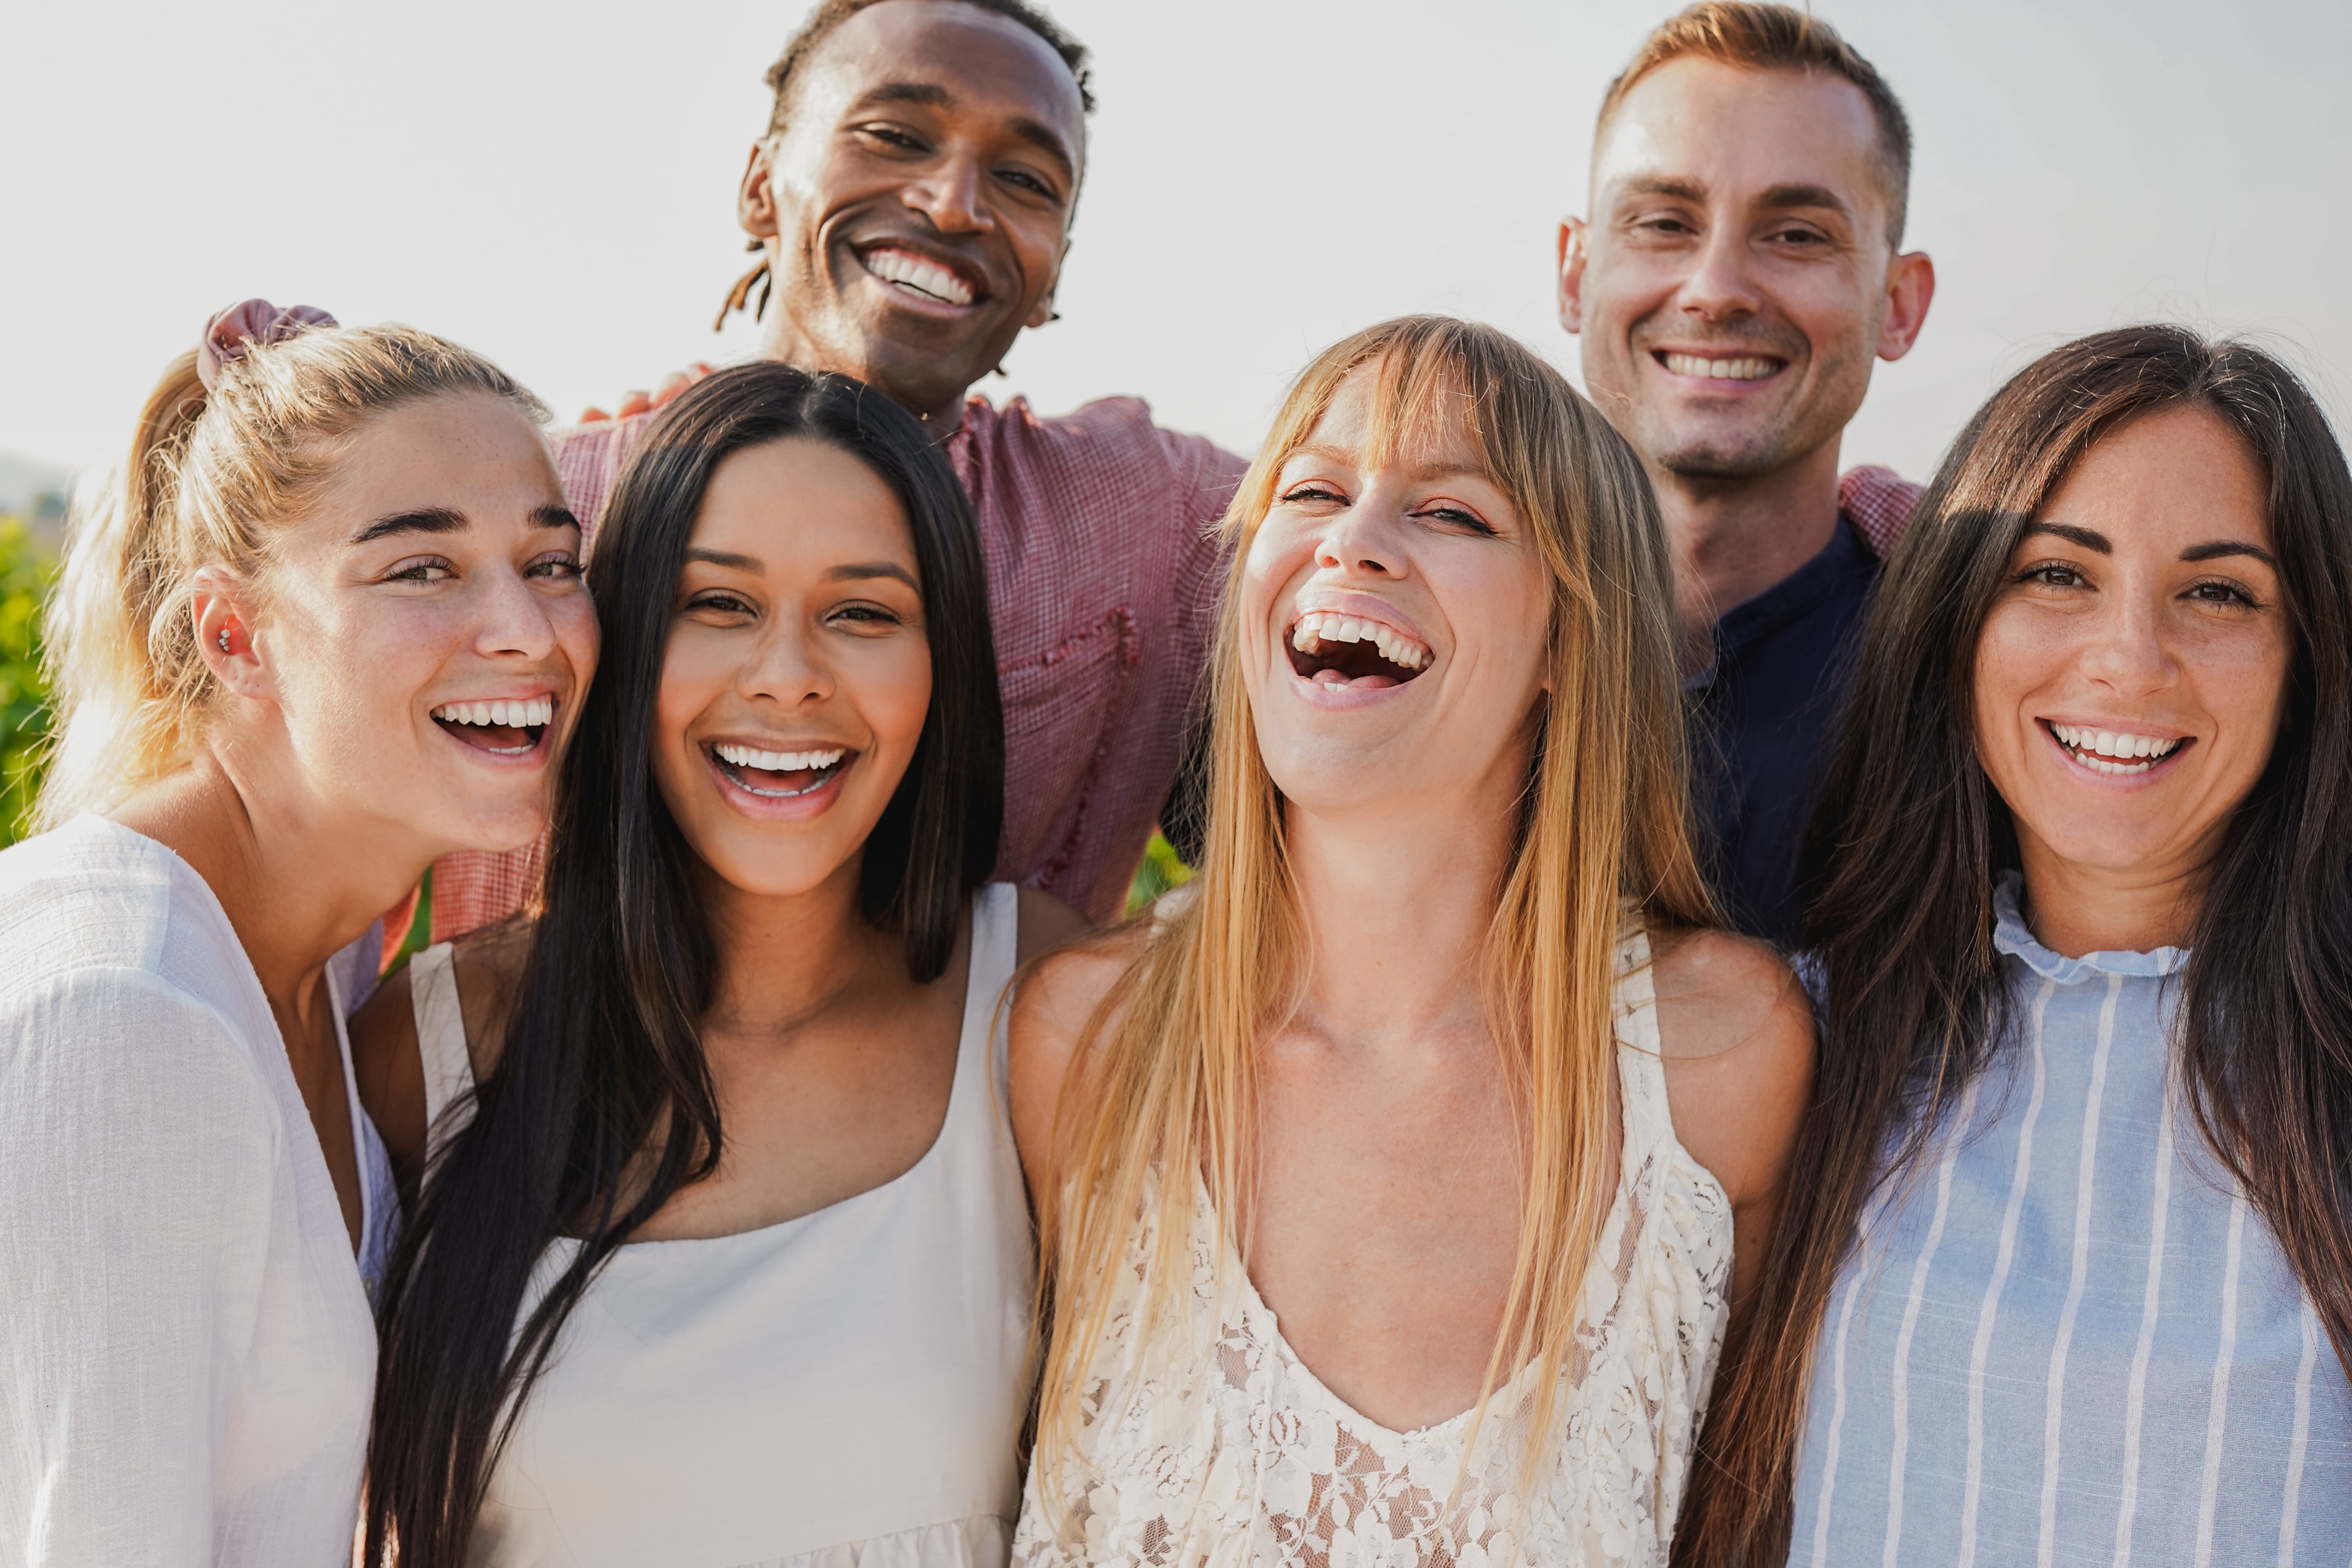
(1215, 1446)
(845, 1387)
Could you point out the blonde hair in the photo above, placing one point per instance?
(1170, 1087)
(212, 478)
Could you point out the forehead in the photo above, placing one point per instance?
(1736, 132)
(791, 499)
(469, 451)
(985, 63)
(2180, 474)
(1418, 416)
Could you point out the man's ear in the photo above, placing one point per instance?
(1910, 288)
(1572, 237)
(755, 198)
(1044, 310)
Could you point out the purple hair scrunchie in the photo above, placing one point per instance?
(232, 333)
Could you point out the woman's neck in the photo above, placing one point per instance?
(784, 960)
(1396, 905)
(2074, 909)
(298, 879)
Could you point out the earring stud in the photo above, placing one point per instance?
(224, 639)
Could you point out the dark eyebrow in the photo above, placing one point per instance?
(726, 558)
(423, 519)
(2087, 538)
(554, 517)
(2216, 549)
(1666, 185)
(930, 95)
(866, 571)
(1803, 195)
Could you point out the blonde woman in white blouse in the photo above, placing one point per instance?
(1396, 1191)
(333, 555)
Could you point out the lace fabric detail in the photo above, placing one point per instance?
(1210, 1443)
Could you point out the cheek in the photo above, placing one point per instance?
(893, 692)
(696, 670)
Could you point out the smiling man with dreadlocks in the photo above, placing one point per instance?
(910, 200)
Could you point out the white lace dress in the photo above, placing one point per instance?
(1213, 1443)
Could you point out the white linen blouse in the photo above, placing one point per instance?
(186, 1353)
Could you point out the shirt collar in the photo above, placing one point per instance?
(2012, 936)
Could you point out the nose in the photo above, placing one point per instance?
(785, 668)
(2126, 651)
(947, 194)
(1360, 541)
(515, 622)
(1718, 288)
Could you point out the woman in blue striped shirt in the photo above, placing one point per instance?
(2068, 1270)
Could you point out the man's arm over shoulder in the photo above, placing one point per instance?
(1737, 1035)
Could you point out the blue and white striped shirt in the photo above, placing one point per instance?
(2068, 1338)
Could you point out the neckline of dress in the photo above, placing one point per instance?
(1508, 1390)
(931, 1155)
(2012, 936)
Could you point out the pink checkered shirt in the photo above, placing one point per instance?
(1103, 576)
(1098, 645)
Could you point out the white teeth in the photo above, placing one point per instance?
(913, 272)
(522, 713)
(2094, 748)
(1720, 369)
(1318, 627)
(776, 761)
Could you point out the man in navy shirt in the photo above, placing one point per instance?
(1741, 270)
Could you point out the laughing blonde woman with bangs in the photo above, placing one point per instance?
(1396, 1192)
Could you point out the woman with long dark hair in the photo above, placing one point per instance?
(722, 1254)
(2066, 1271)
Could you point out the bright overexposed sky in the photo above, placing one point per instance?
(553, 185)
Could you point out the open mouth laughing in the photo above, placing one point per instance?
(923, 280)
(2113, 753)
(778, 775)
(1353, 651)
(507, 727)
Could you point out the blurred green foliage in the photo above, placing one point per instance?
(1161, 870)
(26, 569)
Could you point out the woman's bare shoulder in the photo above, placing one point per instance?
(1736, 1033)
(1053, 1001)
(489, 965)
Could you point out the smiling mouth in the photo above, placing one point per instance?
(1729, 367)
(778, 776)
(503, 729)
(919, 277)
(2113, 753)
(1347, 650)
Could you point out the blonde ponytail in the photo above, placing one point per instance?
(211, 478)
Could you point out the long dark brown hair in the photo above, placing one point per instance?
(603, 1064)
(1917, 999)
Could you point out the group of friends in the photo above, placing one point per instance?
(1728, 1013)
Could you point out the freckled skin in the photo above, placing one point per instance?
(2135, 640)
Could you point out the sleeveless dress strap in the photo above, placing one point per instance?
(995, 945)
(1641, 1068)
(441, 1045)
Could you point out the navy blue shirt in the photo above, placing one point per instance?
(1764, 727)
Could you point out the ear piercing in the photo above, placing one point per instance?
(224, 639)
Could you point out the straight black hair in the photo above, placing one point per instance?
(1911, 835)
(602, 1063)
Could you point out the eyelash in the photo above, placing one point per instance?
(2043, 573)
(1453, 516)
(413, 571)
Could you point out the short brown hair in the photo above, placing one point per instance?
(832, 13)
(1777, 38)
